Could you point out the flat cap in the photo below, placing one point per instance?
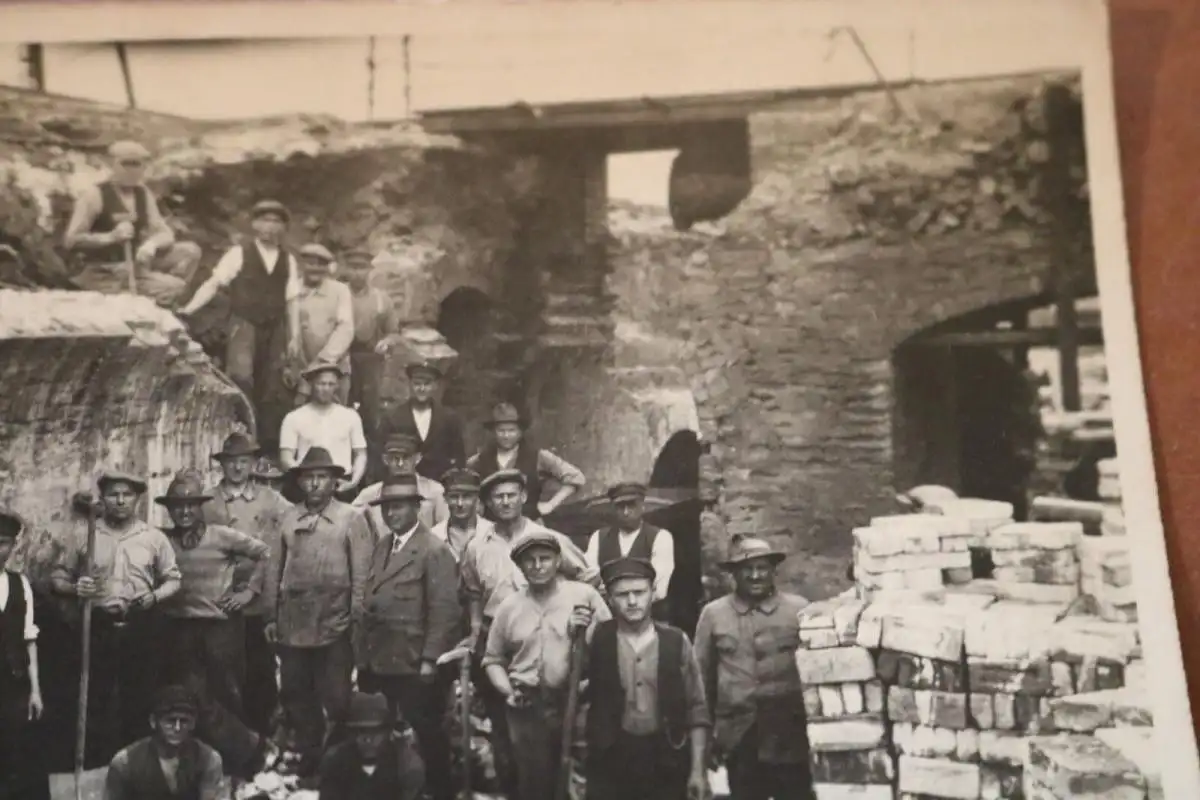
(264, 207)
(422, 368)
(630, 490)
(357, 255)
(313, 370)
(175, 699)
(316, 252)
(626, 567)
(538, 537)
(404, 442)
(368, 711)
(502, 476)
(112, 476)
(460, 478)
(127, 149)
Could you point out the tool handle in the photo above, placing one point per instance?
(85, 661)
(464, 680)
(562, 790)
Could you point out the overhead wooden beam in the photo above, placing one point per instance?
(1059, 110)
(1031, 337)
(126, 74)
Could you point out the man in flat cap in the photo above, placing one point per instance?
(313, 602)
(401, 456)
(437, 428)
(170, 762)
(118, 221)
(376, 330)
(462, 502)
(325, 422)
(238, 502)
(325, 315)
(746, 647)
(510, 448)
(262, 280)
(375, 764)
(134, 571)
(528, 656)
(648, 722)
(411, 618)
(632, 536)
(22, 771)
(205, 643)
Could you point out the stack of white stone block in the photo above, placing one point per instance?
(912, 552)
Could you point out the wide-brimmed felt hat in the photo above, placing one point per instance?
(318, 458)
(626, 567)
(270, 207)
(368, 711)
(318, 252)
(12, 524)
(405, 442)
(109, 477)
(461, 479)
(186, 487)
(315, 369)
(534, 538)
(423, 368)
(266, 468)
(175, 699)
(629, 490)
(502, 476)
(128, 150)
(399, 488)
(237, 444)
(505, 412)
(748, 548)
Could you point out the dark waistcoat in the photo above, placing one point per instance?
(106, 220)
(344, 776)
(258, 296)
(12, 635)
(149, 783)
(609, 547)
(527, 463)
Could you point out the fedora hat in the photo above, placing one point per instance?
(368, 711)
(267, 469)
(505, 412)
(112, 476)
(401, 488)
(237, 444)
(186, 487)
(318, 458)
(265, 207)
(423, 368)
(747, 548)
(313, 370)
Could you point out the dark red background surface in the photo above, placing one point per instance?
(1156, 52)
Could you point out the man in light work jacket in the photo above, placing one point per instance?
(633, 537)
(325, 315)
(412, 616)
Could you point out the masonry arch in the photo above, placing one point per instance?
(674, 499)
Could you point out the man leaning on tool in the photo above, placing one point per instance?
(746, 647)
(121, 211)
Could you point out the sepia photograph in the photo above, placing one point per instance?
(586, 401)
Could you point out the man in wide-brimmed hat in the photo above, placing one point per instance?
(376, 330)
(313, 601)
(375, 764)
(437, 428)
(206, 638)
(118, 221)
(323, 421)
(412, 616)
(632, 536)
(401, 456)
(758, 705)
(240, 502)
(325, 314)
(134, 572)
(267, 473)
(510, 449)
(262, 279)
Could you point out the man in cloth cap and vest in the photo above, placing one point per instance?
(134, 572)
(206, 638)
(632, 536)
(376, 331)
(325, 314)
(411, 617)
(22, 772)
(314, 602)
(438, 429)
(509, 449)
(401, 456)
(118, 221)
(323, 421)
(528, 657)
(262, 279)
(462, 502)
(375, 763)
(648, 722)
(746, 647)
(239, 503)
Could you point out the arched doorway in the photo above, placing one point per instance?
(674, 504)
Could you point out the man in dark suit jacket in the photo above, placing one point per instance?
(438, 428)
(412, 616)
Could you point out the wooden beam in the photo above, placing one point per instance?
(126, 74)
(1031, 337)
(1058, 104)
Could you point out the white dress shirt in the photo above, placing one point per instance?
(401, 539)
(31, 631)
(230, 266)
(662, 556)
(423, 417)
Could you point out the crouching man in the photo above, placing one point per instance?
(375, 764)
(647, 728)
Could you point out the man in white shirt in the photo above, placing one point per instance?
(633, 537)
(324, 422)
(462, 501)
(262, 281)
(401, 454)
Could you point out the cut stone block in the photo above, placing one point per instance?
(1061, 509)
(926, 741)
(873, 697)
(845, 620)
(831, 701)
(1049, 593)
(982, 713)
(877, 541)
(1139, 745)
(1000, 782)
(835, 665)
(819, 638)
(1055, 576)
(852, 698)
(870, 627)
(1036, 559)
(853, 766)
(845, 791)
(1072, 766)
(1003, 747)
(917, 672)
(1034, 535)
(959, 576)
(922, 707)
(925, 632)
(923, 579)
(1100, 674)
(1005, 709)
(849, 734)
(992, 677)
(1011, 631)
(1062, 676)
(1078, 637)
(812, 702)
(938, 778)
(966, 745)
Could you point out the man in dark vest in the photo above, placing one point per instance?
(647, 727)
(632, 536)
(117, 225)
(375, 764)
(509, 449)
(22, 774)
(261, 279)
(437, 428)
(169, 763)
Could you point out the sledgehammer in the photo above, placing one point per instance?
(462, 655)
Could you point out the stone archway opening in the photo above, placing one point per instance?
(674, 503)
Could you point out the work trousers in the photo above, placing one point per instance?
(752, 779)
(260, 691)
(165, 279)
(23, 773)
(535, 732)
(496, 708)
(126, 671)
(633, 769)
(314, 687)
(254, 359)
(422, 704)
(208, 656)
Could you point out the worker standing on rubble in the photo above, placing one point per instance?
(134, 573)
(263, 280)
(633, 537)
(401, 456)
(325, 316)
(647, 725)
(746, 644)
(237, 502)
(314, 600)
(411, 617)
(462, 501)
(205, 637)
(509, 450)
(528, 656)
(326, 423)
(438, 429)
(489, 575)
(376, 329)
(116, 225)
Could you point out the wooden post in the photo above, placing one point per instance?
(35, 63)
(407, 77)
(371, 78)
(126, 74)
(1060, 130)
